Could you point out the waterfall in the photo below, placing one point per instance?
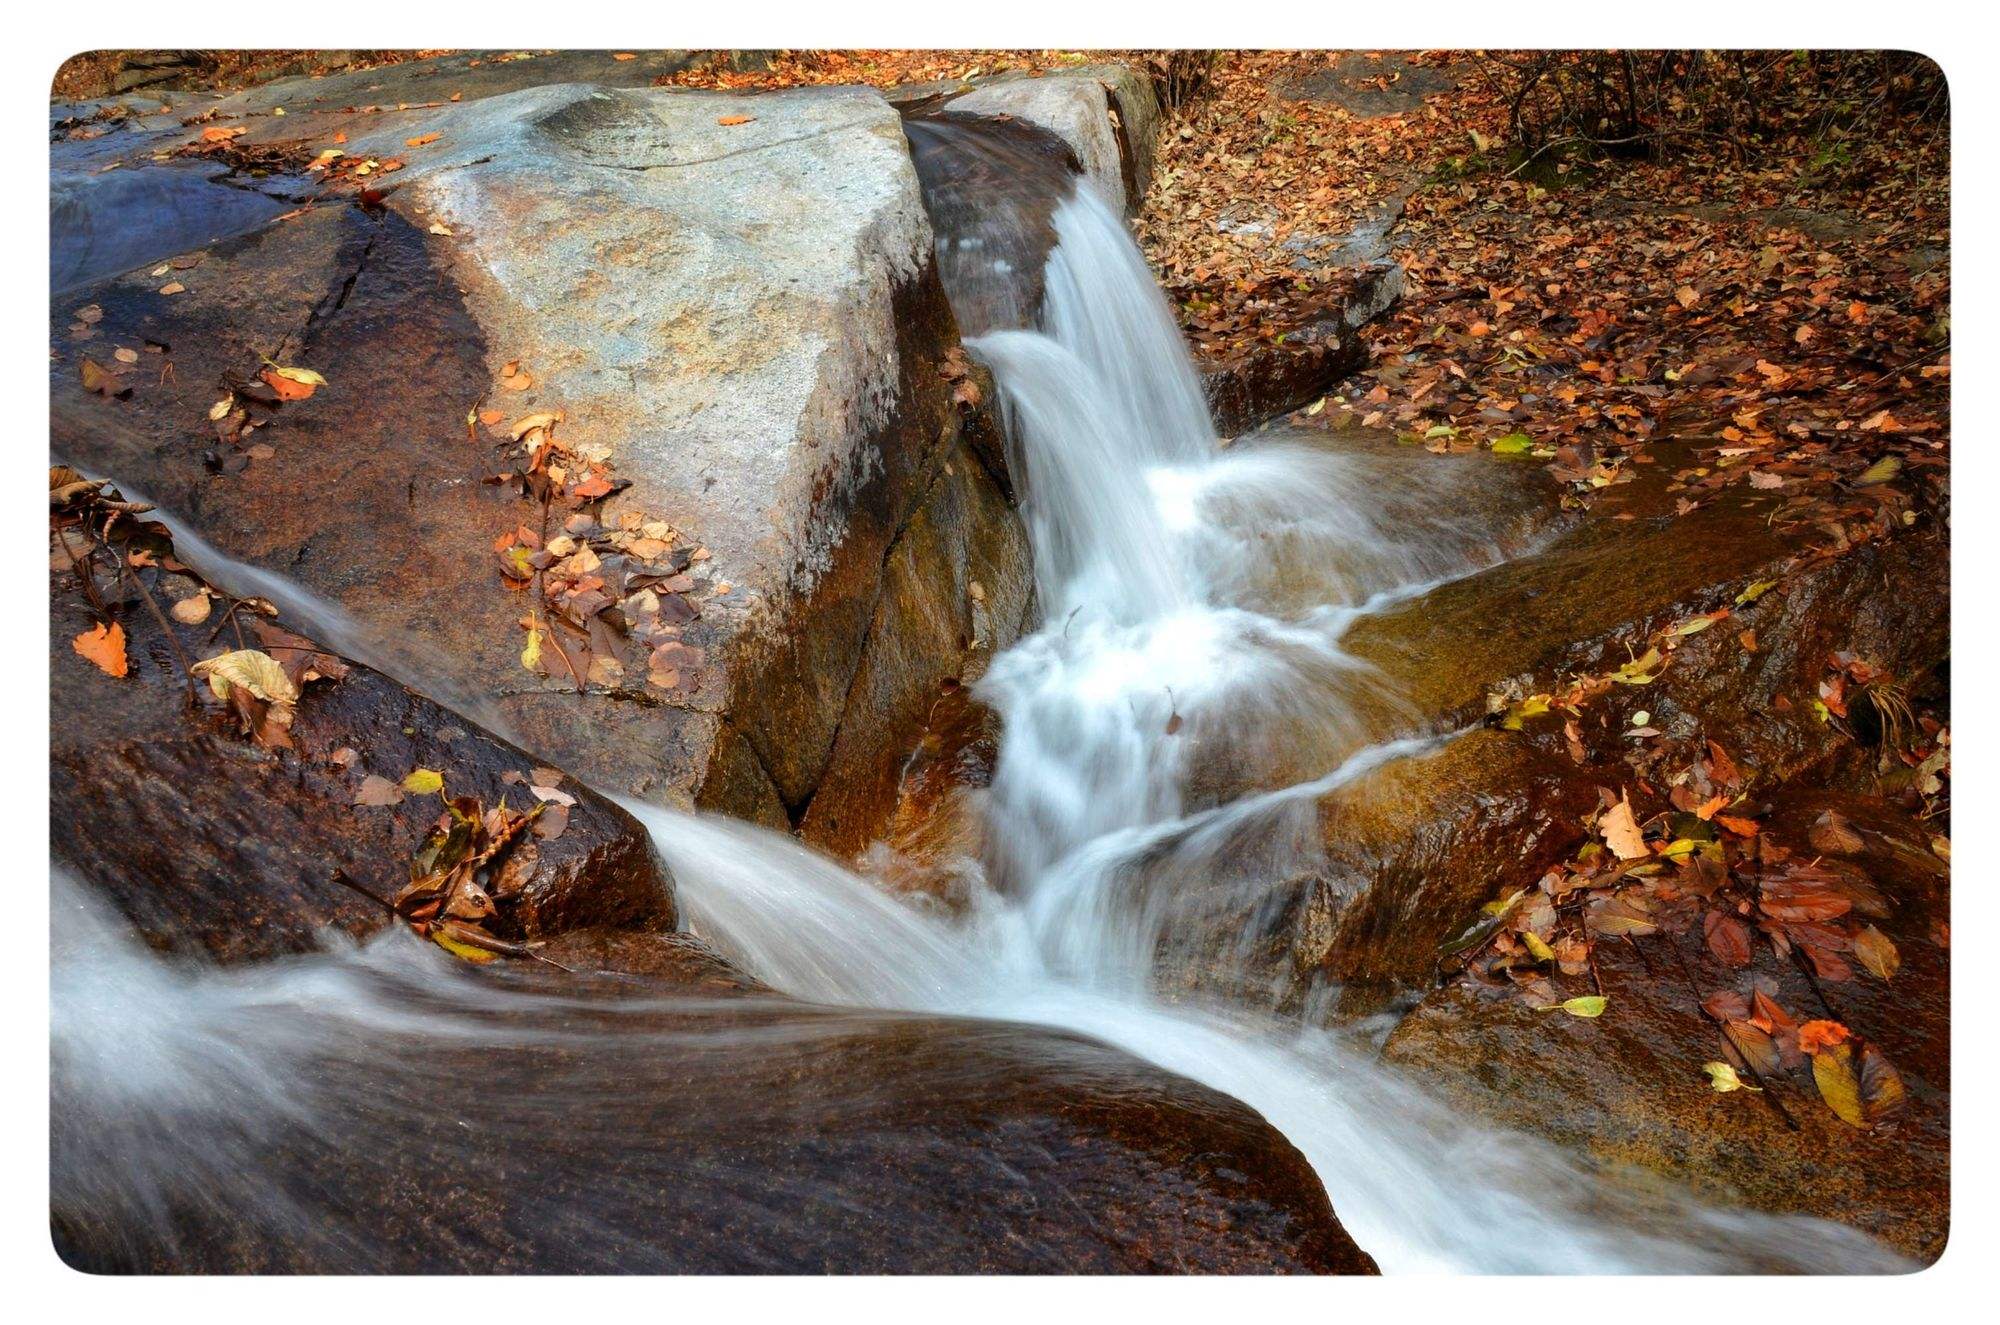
(1194, 601)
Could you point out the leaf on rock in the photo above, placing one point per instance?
(1834, 1074)
(377, 790)
(1722, 1077)
(104, 646)
(1585, 1005)
(1728, 938)
(423, 781)
(1876, 953)
(254, 670)
(1621, 831)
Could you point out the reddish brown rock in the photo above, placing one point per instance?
(1628, 1088)
(208, 842)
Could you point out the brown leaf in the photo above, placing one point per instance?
(1621, 832)
(1875, 952)
(1728, 938)
(1832, 834)
(378, 790)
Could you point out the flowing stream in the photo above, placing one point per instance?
(1193, 600)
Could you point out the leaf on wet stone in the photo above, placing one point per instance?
(1722, 1078)
(423, 782)
(254, 670)
(1620, 831)
(1585, 1005)
(1839, 1085)
(377, 790)
(1876, 953)
(191, 611)
(105, 647)
(1728, 938)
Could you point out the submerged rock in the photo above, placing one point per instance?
(1627, 1088)
(437, 1118)
(731, 299)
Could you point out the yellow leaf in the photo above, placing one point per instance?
(1753, 592)
(1542, 951)
(254, 670)
(1881, 471)
(1583, 1005)
(423, 781)
(463, 950)
(1723, 1077)
(1833, 1073)
(303, 376)
(531, 656)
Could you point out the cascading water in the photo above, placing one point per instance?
(1194, 599)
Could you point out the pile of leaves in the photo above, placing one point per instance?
(609, 601)
(468, 865)
(1702, 864)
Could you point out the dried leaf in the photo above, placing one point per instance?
(254, 670)
(1621, 831)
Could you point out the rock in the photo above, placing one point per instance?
(1107, 114)
(529, 1120)
(745, 316)
(1627, 1088)
(209, 843)
(468, 75)
(1368, 85)
(1398, 860)
(1270, 379)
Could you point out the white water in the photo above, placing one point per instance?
(1176, 581)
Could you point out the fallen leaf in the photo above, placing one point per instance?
(1585, 1005)
(735, 119)
(421, 139)
(192, 611)
(1621, 832)
(423, 781)
(1876, 953)
(377, 790)
(254, 670)
(105, 646)
(1722, 1077)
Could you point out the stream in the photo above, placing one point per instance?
(1193, 601)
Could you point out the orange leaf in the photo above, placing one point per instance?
(420, 140)
(105, 646)
(285, 387)
(1817, 1035)
(736, 119)
(624, 55)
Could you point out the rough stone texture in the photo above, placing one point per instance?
(746, 315)
(723, 1134)
(1106, 113)
(469, 75)
(1368, 85)
(1627, 1088)
(211, 844)
(1268, 380)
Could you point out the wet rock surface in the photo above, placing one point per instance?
(744, 315)
(212, 844)
(751, 1136)
(1627, 1088)
(1403, 856)
(1258, 384)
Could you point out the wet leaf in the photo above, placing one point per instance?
(256, 671)
(1876, 953)
(453, 943)
(1880, 472)
(1585, 1005)
(1834, 1074)
(378, 791)
(423, 781)
(104, 646)
(1722, 1077)
(1727, 937)
(1620, 831)
(1817, 1035)
(192, 611)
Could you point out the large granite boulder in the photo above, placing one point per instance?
(733, 305)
